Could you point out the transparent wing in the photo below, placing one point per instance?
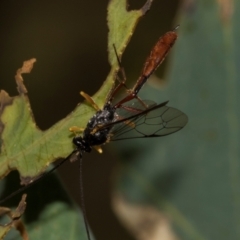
(137, 121)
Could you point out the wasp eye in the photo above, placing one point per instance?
(77, 141)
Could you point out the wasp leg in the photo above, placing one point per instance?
(95, 129)
(98, 149)
(76, 130)
(90, 100)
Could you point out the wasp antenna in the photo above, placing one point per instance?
(82, 196)
(35, 181)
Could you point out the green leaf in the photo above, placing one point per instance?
(193, 177)
(121, 24)
(24, 146)
(29, 150)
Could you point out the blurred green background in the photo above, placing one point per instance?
(191, 177)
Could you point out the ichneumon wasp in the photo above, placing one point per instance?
(131, 114)
(129, 118)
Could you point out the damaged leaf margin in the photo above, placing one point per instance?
(24, 147)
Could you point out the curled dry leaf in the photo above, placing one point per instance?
(144, 222)
(15, 221)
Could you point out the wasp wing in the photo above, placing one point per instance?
(137, 121)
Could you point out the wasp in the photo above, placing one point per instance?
(131, 117)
